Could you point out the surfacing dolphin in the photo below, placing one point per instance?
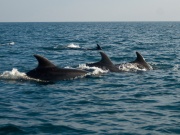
(105, 64)
(139, 62)
(47, 71)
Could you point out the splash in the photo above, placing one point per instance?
(11, 43)
(92, 70)
(16, 76)
(73, 46)
(130, 67)
(12, 75)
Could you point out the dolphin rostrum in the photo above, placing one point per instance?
(105, 64)
(47, 71)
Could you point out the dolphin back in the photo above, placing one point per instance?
(47, 71)
(105, 63)
(141, 61)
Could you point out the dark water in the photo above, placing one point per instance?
(128, 103)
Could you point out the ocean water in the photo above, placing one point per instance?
(104, 103)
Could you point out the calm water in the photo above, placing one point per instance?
(129, 103)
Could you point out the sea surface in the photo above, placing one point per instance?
(103, 103)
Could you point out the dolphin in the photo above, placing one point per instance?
(47, 71)
(139, 62)
(98, 47)
(105, 64)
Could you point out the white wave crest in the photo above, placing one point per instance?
(73, 46)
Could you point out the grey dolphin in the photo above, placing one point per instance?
(98, 47)
(139, 62)
(47, 71)
(105, 64)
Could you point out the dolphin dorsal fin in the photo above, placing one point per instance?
(105, 59)
(98, 47)
(142, 61)
(139, 58)
(43, 62)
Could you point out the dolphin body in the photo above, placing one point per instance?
(105, 64)
(139, 62)
(47, 71)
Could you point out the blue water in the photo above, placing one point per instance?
(128, 103)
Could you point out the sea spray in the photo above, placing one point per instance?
(130, 67)
(73, 46)
(92, 70)
(12, 75)
(17, 75)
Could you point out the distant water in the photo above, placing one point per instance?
(128, 103)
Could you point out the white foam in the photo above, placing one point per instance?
(92, 70)
(130, 67)
(73, 46)
(11, 43)
(16, 75)
(12, 75)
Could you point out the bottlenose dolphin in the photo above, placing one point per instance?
(98, 47)
(47, 71)
(105, 64)
(139, 62)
